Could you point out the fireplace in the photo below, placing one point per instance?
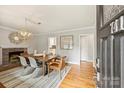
(13, 56)
(9, 55)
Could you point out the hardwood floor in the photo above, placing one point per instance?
(80, 76)
(1, 85)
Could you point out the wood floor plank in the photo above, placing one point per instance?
(80, 76)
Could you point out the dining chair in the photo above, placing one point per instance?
(27, 69)
(25, 54)
(58, 65)
(37, 66)
(23, 61)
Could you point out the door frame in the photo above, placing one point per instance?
(94, 44)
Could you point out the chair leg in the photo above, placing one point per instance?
(48, 71)
(65, 69)
(60, 74)
(25, 67)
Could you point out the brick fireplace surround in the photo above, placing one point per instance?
(4, 57)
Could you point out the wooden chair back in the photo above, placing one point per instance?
(62, 63)
(25, 54)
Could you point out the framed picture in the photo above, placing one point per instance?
(66, 42)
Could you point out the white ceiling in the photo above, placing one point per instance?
(52, 18)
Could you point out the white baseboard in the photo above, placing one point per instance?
(73, 62)
(88, 60)
(78, 63)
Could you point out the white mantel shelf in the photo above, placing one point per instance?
(13, 47)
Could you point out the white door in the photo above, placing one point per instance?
(84, 48)
(87, 48)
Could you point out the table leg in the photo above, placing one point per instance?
(43, 68)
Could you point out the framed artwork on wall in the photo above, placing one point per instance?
(66, 42)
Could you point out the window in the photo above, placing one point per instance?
(52, 45)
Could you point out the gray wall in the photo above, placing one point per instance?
(74, 54)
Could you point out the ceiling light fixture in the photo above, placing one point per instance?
(23, 34)
(24, 31)
(20, 36)
(15, 38)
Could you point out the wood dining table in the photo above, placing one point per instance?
(41, 58)
(44, 59)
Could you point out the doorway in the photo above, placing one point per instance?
(87, 48)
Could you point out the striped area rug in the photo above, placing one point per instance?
(13, 79)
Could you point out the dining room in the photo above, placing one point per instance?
(39, 70)
(40, 48)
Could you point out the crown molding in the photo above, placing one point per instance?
(68, 30)
(76, 29)
(5, 28)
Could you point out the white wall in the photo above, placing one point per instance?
(74, 54)
(40, 42)
(32, 44)
(4, 40)
(87, 47)
(5, 43)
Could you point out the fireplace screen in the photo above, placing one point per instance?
(13, 56)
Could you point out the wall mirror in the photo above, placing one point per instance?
(66, 42)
